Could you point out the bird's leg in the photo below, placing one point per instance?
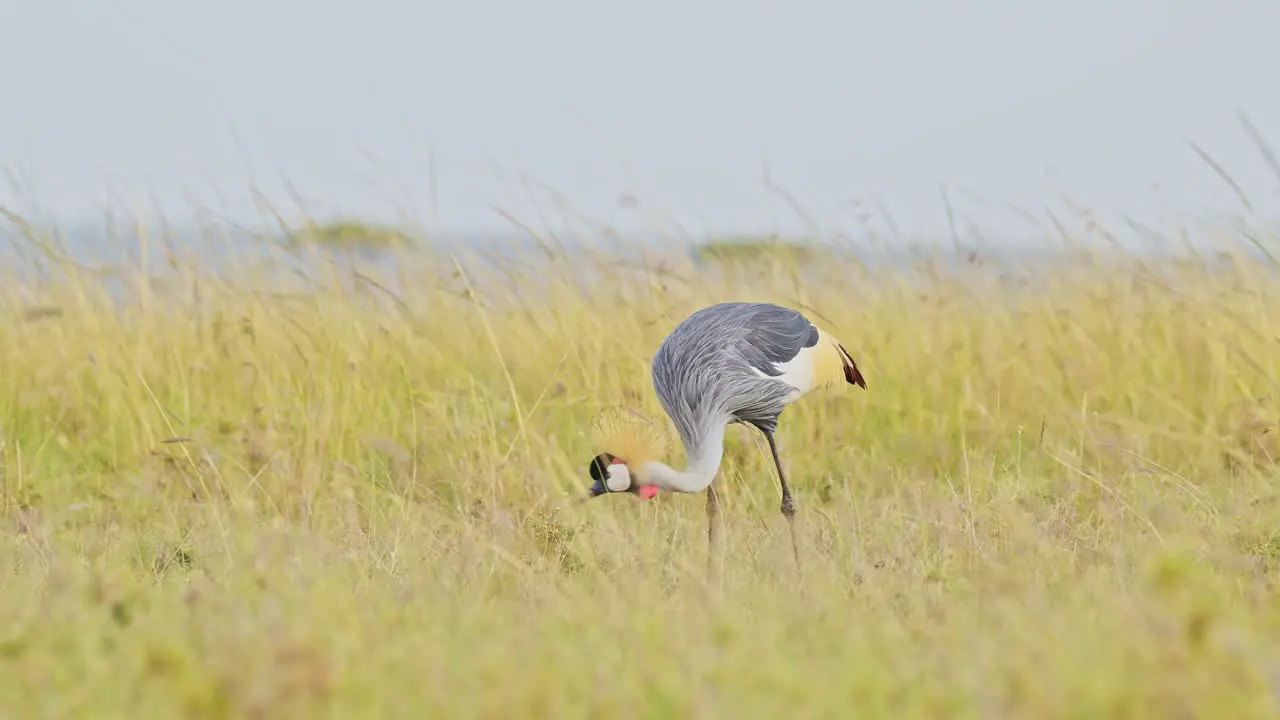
(788, 504)
(713, 534)
(713, 547)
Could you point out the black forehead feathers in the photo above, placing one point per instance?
(600, 466)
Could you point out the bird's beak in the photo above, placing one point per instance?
(596, 490)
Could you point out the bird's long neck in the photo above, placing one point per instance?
(702, 462)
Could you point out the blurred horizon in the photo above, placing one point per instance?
(693, 120)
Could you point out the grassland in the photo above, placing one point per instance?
(348, 494)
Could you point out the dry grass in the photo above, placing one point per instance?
(223, 500)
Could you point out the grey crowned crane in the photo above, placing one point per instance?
(729, 363)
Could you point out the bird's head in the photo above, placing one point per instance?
(611, 474)
(628, 439)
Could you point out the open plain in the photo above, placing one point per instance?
(310, 488)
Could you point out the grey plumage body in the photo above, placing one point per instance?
(720, 365)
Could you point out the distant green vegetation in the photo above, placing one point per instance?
(349, 233)
(752, 248)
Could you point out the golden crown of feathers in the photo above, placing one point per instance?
(630, 435)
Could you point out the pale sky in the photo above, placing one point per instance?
(679, 103)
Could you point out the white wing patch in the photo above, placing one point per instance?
(798, 372)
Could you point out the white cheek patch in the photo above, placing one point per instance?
(619, 478)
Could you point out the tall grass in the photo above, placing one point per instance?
(319, 489)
